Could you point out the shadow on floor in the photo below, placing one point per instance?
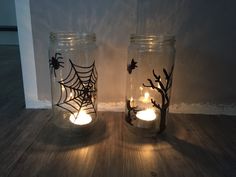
(66, 139)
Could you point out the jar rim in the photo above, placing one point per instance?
(159, 38)
(70, 35)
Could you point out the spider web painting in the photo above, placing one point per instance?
(78, 89)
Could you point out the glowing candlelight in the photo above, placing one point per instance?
(146, 115)
(132, 102)
(81, 118)
(146, 97)
(71, 95)
(62, 88)
(141, 90)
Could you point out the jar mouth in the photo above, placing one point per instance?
(151, 39)
(64, 36)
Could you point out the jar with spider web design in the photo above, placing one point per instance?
(73, 80)
(149, 80)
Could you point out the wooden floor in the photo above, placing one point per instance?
(31, 146)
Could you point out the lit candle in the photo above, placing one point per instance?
(146, 118)
(81, 118)
(147, 114)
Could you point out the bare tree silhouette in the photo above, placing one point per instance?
(163, 90)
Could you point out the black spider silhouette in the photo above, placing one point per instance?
(132, 66)
(55, 62)
(87, 93)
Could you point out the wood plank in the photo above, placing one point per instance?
(216, 140)
(19, 136)
(184, 150)
(195, 158)
(54, 154)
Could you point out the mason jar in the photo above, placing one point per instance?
(149, 80)
(73, 80)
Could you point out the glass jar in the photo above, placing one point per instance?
(73, 80)
(149, 79)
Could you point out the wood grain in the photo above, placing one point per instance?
(190, 147)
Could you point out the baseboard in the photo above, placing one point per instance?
(211, 109)
(38, 104)
(182, 108)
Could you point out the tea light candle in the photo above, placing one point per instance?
(146, 118)
(147, 115)
(81, 118)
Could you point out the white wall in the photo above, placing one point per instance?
(205, 37)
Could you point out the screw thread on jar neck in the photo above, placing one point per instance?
(151, 39)
(72, 37)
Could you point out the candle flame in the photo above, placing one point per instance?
(132, 104)
(145, 98)
(146, 95)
